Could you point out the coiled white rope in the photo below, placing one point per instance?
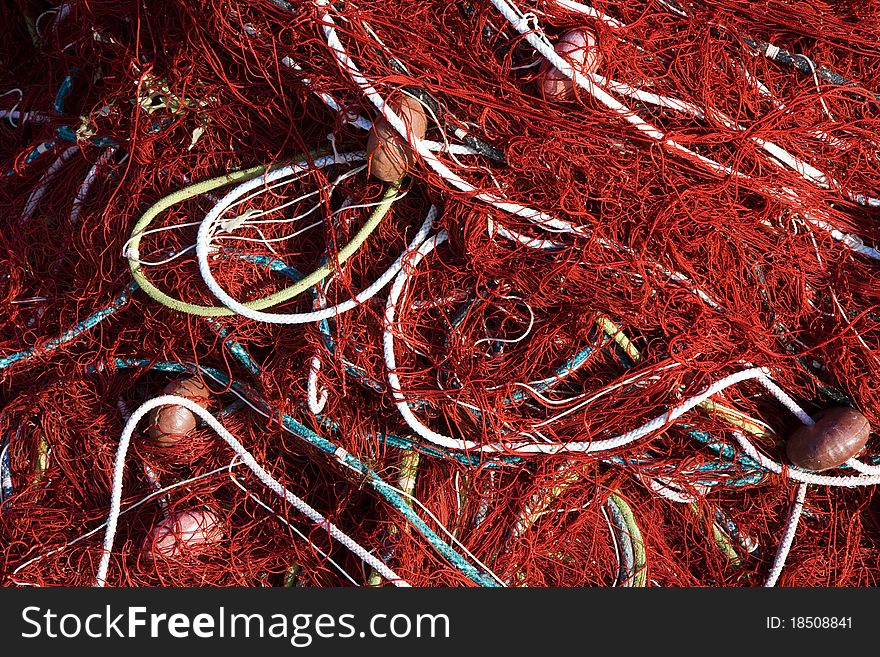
(522, 24)
(247, 459)
(208, 224)
(788, 533)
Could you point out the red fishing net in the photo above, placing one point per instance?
(704, 202)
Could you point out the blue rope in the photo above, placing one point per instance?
(78, 329)
(66, 133)
(64, 91)
(38, 151)
(6, 488)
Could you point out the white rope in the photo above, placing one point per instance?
(863, 468)
(316, 401)
(590, 83)
(522, 447)
(787, 536)
(536, 243)
(666, 488)
(43, 185)
(203, 248)
(247, 459)
(804, 169)
(13, 112)
(796, 474)
(580, 8)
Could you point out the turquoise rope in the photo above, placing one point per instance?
(64, 90)
(234, 347)
(78, 329)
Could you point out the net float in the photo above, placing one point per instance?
(840, 433)
(579, 48)
(183, 532)
(389, 156)
(169, 424)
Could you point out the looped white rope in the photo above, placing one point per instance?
(247, 459)
(449, 442)
(208, 223)
(317, 401)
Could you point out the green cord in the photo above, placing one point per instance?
(266, 302)
(725, 546)
(640, 573)
(158, 208)
(290, 575)
(344, 254)
(721, 540)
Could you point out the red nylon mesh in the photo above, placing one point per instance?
(789, 294)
